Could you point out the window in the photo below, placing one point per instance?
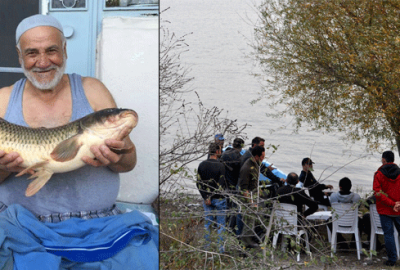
(130, 4)
(68, 4)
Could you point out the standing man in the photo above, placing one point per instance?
(248, 186)
(219, 139)
(211, 183)
(231, 160)
(387, 193)
(266, 171)
(308, 180)
(49, 98)
(257, 141)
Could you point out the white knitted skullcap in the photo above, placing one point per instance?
(35, 21)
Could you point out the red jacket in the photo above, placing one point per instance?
(387, 188)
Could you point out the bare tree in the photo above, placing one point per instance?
(186, 128)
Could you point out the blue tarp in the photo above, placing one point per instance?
(126, 241)
(277, 172)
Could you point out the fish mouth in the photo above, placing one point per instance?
(132, 114)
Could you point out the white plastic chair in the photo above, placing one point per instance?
(345, 220)
(285, 220)
(376, 228)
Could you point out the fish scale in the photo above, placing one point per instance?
(60, 149)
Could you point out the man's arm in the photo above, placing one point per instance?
(268, 173)
(100, 98)
(8, 162)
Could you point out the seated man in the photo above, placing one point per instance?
(308, 180)
(75, 209)
(344, 195)
(293, 195)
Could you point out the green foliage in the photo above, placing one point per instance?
(335, 64)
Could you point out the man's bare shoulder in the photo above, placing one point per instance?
(97, 93)
(5, 93)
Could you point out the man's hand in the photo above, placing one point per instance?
(271, 168)
(283, 180)
(396, 208)
(329, 186)
(10, 162)
(107, 153)
(103, 156)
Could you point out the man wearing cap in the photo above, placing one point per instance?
(219, 139)
(387, 194)
(308, 180)
(49, 98)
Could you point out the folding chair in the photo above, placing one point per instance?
(345, 220)
(376, 228)
(285, 220)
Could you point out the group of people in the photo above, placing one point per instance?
(233, 171)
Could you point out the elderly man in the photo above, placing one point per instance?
(50, 98)
(293, 195)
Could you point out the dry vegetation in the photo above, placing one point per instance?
(181, 242)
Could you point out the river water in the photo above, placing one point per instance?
(218, 58)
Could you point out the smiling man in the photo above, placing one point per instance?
(48, 98)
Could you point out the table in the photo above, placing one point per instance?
(320, 215)
(325, 216)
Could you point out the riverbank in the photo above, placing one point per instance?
(181, 241)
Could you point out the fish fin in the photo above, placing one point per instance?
(32, 167)
(120, 151)
(67, 149)
(42, 176)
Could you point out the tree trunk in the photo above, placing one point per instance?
(398, 143)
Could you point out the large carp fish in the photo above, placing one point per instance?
(46, 151)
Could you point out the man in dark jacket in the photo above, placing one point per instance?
(266, 171)
(211, 183)
(387, 193)
(231, 159)
(308, 180)
(293, 195)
